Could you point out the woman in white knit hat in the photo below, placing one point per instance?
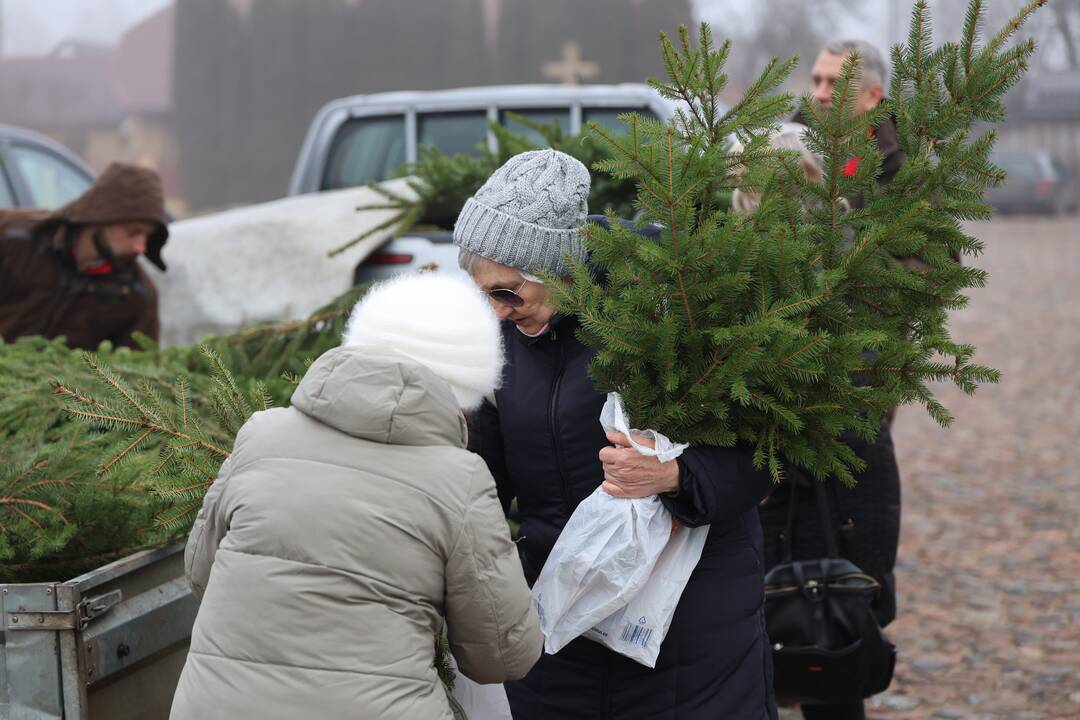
(344, 530)
(543, 442)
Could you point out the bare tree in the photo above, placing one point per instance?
(777, 28)
(1065, 20)
(1056, 31)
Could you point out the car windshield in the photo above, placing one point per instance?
(7, 198)
(609, 117)
(1019, 167)
(50, 180)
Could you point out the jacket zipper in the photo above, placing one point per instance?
(68, 278)
(552, 403)
(54, 303)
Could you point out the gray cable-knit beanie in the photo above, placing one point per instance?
(529, 213)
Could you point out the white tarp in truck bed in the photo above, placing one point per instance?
(263, 262)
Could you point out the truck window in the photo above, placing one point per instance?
(543, 116)
(609, 117)
(365, 150)
(454, 133)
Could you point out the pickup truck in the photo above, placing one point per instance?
(270, 261)
(367, 138)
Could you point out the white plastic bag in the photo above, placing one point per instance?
(481, 702)
(476, 701)
(638, 629)
(602, 558)
(613, 419)
(616, 572)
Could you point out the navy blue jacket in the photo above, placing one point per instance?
(541, 444)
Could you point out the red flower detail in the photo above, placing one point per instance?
(852, 166)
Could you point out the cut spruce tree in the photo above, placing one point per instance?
(786, 327)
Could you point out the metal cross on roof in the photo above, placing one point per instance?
(571, 69)
(242, 8)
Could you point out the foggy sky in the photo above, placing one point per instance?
(868, 20)
(35, 27)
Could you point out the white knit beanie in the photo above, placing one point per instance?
(440, 321)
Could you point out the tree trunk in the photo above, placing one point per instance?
(1061, 14)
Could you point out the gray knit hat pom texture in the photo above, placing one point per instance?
(529, 213)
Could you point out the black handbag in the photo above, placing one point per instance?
(827, 646)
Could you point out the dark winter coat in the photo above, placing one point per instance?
(541, 443)
(866, 518)
(888, 143)
(892, 156)
(43, 293)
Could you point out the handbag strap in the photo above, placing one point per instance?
(824, 515)
(787, 541)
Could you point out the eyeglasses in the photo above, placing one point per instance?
(507, 296)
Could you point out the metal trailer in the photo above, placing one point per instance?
(107, 645)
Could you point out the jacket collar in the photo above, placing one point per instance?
(888, 141)
(885, 134)
(559, 325)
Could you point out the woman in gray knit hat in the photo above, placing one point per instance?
(542, 441)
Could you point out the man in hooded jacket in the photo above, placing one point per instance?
(73, 273)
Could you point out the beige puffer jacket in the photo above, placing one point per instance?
(338, 535)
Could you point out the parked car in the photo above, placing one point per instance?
(1035, 182)
(38, 172)
(369, 138)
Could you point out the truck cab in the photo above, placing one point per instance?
(370, 138)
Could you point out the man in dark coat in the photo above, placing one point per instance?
(73, 272)
(871, 92)
(866, 518)
(543, 442)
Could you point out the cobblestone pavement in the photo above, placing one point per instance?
(989, 567)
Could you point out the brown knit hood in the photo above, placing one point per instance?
(122, 193)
